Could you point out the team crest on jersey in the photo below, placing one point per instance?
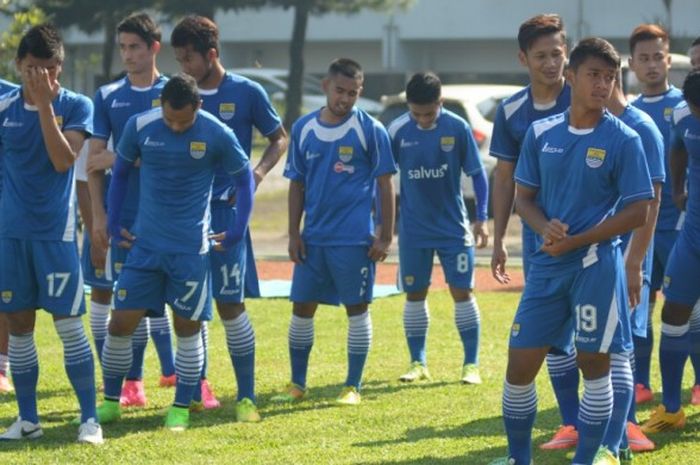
(7, 296)
(118, 267)
(595, 157)
(227, 110)
(447, 143)
(515, 330)
(668, 112)
(409, 280)
(59, 121)
(155, 103)
(667, 281)
(121, 294)
(345, 153)
(99, 272)
(198, 149)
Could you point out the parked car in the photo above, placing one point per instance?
(274, 81)
(476, 103)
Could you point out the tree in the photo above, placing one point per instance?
(22, 20)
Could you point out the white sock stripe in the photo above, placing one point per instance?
(359, 333)
(559, 364)
(467, 314)
(189, 359)
(519, 400)
(597, 401)
(674, 331)
(22, 352)
(116, 355)
(301, 332)
(141, 333)
(160, 324)
(240, 336)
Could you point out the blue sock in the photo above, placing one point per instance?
(415, 325)
(673, 353)
(359, 340)
(188, 368)
(139, 340)
(643, 347)
(24, 366)
(694, 335)
(593, 417)
(80, 366)
(623, 395)
(116, 361)
(99, 319)
(162, 339)
(469, 325)
(564, 375)
(240, 339)
(519, 411)
(301, 340)
(632, 413)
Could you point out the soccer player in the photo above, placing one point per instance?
(338, 155)
(5, 384)
(573, 169)
(242, 105)
(433, 146)
(43, 128)
(650, 61)
(139, 43)
(623, 435)
(542, 42)
(179, 147)
(694, 53)
(681, 276)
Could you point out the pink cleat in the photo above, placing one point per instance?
(642, 394)
(5, 384)
(133, 394)
(209, 400)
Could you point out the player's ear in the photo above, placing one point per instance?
(211, 55)
(522, 57)
(325, 84)
(155, 46)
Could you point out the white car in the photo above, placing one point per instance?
(477, 104)
(274, 81)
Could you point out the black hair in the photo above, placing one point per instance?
(691, 87)
(180, 91)
(41, 41)
(594, 47)
(346, 67)
(423, 88)
(143, 26)
(199, 32)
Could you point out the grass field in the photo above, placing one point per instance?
(440, 422)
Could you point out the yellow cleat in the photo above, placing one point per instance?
(417, 372)
(349, 396)
(661, 420)
(605, 457)
(246, 411)
(294, 393)
(470, 374)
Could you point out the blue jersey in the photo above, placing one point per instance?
(513, 118)
(686, 134)
(660, 108)
(241, 104)
(338, 166)
(580, 176)
(38, 203)
(115, 103)
(177, 171)
(5, 87)
(431, 162)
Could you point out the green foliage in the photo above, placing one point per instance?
(22, 20)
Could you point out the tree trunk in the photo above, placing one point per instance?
(296, 62)
(110, 25)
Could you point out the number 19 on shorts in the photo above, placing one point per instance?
(586, 318)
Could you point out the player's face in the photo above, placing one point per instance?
(695, 110)
(194, 63)
(545, 59)
(53, 66)
(179, 120)
(341, 93)
(694, 54)
(651, 61)
(136, 55)
(425, 114)
(592, 83)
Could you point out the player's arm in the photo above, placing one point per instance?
(385, 193)
(115, 200)
(639, 243)
(481, 192)
(245, 190)
(96, 186)
(295, 200)
(81, 190)
(273, 152)
(529, 211)
(679, 167)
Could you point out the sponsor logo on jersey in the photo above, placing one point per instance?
(341, 167)
(121, 294)
(227, 110)
(409, 280)
(12, 124)
(118, 104)
(155, 103)
(345, 153)
(690, 136)
(59, 120)
(668, 112)
(153, 143)
(198, 149)
(311, 155)
(7, 296)
(447, 143)
(428, 173)
(515, 329)
(407, 143)
(595, 157)
(549, 149)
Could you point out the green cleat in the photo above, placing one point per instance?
(626, 457)
(605, 457)
(109, 411)
(506, 461)
(293, 393)
(177, 419)
(417, 372)
(470, 374)
(246, 411)
(349, 396)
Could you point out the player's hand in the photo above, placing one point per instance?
(258, 177)
(296, 249)
(481, 234)
(634, 283)
(126, 240)
(379, 249)
(680, 200)
(101, 161)
(560, 247)
(98, 244)
(219, 239)
(39, 85)
(499, 257)
(554, 231)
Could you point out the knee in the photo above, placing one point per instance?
(675, 314)
(593, 365)
(230, 311)
(304, 309)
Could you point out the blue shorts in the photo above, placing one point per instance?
(663, 243)
(334, 275)
(682, 278)
(416, 267)
(587, 307)
(102, 278)
(233, 272)
(41, 274)
(149, 280)
(529, 241)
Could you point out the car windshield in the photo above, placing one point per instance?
(488, 107)
(310, 85)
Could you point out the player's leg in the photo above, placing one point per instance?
(694, 335)
(415, 268)
(5, 384)
(100, 282)
(133, 393)
(159, 329)
(189, 357)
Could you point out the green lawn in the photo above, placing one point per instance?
(441, 422)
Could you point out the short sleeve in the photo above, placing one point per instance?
(632, 173)
(527, 170)
(295, 168)
(102, 127)
(653, 144)
(265, 118)
(80, 115)
(503, 145)
(381, 155)
(128, 147)
(471, 158)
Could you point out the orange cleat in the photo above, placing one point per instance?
(565, 438)
(695, 395)
(637, 440)
(642, 394)
(167, 381)
(5, 384)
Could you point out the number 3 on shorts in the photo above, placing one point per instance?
(586, 318)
